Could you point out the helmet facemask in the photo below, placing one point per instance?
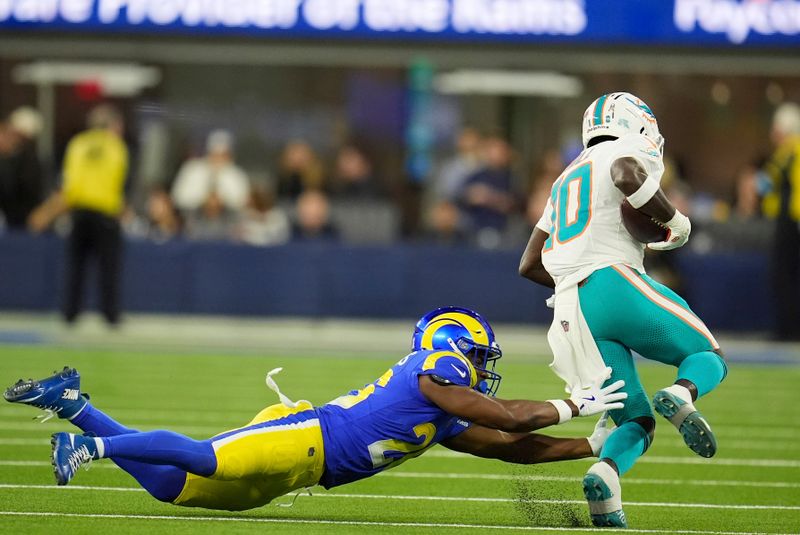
(483, 359)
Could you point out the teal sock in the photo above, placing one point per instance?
(706, 370)
(626, 444)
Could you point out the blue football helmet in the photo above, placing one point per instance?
(468, 334)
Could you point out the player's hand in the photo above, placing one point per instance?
(550, 302)
(678, 230)
(600, 434)
(595, 399)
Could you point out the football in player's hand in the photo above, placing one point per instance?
(640, 225)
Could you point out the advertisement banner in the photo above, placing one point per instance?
(725, 23)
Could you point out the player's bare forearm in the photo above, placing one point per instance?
(659, 207)
(530, 265)
(519, 448)
(531, 415)
(629, 175)
(505, 415)
(534, 448)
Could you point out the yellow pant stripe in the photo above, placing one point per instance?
(250, 431)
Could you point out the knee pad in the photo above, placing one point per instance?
(648, 423)
(721, 356)
(168, 486)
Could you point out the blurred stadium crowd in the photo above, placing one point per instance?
(266, 140)
(478, 193)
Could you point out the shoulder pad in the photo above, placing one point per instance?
(644, 151)
(450, 366)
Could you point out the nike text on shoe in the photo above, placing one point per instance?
(70, 452)
(690, 423)
(604, 496)
(58, 394)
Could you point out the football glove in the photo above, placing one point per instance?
(678, 230)
(595, 399)
(600, 434)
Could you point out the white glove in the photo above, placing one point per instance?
(594, 399)
(678, 230)
(550, 302)
(600, 434)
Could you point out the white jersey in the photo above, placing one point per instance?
(583, 216)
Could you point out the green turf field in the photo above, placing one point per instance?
(753, 485)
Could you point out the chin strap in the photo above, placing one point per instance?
(306, 490)
(272, 385)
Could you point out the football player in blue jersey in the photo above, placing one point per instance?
(442, 392)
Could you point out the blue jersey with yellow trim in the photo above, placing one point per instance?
(390, 420)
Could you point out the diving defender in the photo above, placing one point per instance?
(442, 392)
(606, 305)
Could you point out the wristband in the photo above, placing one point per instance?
(645, 192)
(563, 408)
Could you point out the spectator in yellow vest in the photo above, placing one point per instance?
(94, 171)
(782, 204)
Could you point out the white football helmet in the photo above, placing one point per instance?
(620, 114)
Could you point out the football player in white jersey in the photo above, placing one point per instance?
(605, 304)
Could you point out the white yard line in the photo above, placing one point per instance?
(761, 463)
(576, 479)
(656, 459)
(786, 445)
(509, 477)
(679, 505)
(54, 425)
(763, 432)
(553, 502)
(71, 487)
(428, 525)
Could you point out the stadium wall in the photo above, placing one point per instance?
(729, 291)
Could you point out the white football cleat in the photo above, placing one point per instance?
(687, 419)
(604, 495)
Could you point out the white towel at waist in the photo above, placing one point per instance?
(576, 358)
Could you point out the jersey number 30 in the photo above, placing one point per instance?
(572, 205)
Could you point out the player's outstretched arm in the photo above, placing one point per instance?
(505, 415)
(520, 416)
(520, 448)
(530, 265)
(645, 194)
(527, 448)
